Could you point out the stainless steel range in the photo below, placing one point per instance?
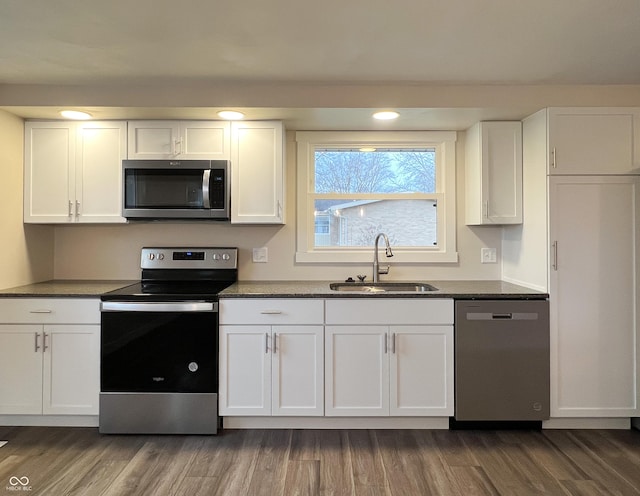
(159, 344)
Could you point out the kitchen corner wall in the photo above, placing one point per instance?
(26, 251)
(113, 251)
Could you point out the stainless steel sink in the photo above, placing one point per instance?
(381, 287)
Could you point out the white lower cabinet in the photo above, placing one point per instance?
(336, 357)
(273, 363)
(389, 370)
(50, 369)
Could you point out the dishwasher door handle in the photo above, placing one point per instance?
(502, 316)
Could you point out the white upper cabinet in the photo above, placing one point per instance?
(73, 171)
(594, 140)
(179, 140)
(493, 173)
(257, 172)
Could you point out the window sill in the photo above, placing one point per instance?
(336, 257)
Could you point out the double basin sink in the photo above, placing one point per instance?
(381, 287)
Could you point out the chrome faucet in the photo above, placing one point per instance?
(376, 266)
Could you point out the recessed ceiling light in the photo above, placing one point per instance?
(367, 149)
(386, 115)
(75, 114)
(230, 115)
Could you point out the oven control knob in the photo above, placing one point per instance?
(216, 256)
(152, 256)
(193, 366)
(225, 256)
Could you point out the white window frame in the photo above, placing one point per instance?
(444, 143)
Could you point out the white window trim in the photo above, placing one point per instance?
(444, 143)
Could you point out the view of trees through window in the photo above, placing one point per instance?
(358, 194)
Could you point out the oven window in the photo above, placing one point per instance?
(160, 188)
(159, 352)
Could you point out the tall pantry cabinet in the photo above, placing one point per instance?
(591, 161)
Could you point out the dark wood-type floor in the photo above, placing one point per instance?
(79, 461)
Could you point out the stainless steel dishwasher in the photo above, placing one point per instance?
(501, 360)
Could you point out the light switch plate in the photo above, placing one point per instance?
(488, 255)
(260, 255)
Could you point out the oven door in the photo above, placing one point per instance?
(159, 347)
(159, 367)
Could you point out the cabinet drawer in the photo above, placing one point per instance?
(49, 311)
(389, 312)
(272, 311)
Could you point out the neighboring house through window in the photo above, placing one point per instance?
(353, 185)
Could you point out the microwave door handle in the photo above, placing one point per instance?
(206, 200)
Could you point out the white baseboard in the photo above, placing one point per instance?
(50, 420)
(335, 422)
(587, 423)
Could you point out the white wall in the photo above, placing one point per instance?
(26, 252)
(112, 252)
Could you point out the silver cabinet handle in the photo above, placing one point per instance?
(385, 343)
(393, 343)
(486, 209)
(43, 310)
(37, 345)
(44, 341)
(70, 208)
(275, 343)
(279, 209)
(77, 208)
(271, 312)
(266, 342)
(553, 157)
(554, 264)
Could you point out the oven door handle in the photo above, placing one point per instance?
(182, 306)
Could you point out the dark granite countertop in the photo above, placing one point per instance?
(445, 289)
(64, 288)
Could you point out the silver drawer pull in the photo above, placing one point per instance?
(41, 311)
(271, 312)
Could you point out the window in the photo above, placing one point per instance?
(353, 185)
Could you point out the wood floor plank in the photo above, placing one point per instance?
(368, 470)
(595, 467)
(303, 478)
(336, 471)
(241, 466)
(81, 462)
(270, 469)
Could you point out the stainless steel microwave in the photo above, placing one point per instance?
(176, 189)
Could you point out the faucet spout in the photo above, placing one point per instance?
(376, 265)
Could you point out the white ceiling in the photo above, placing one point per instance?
(461, 42)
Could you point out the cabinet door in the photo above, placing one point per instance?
(493, 173)
(20, 369)
(593, 295)
(593, 141)
(101, 146)
(298, 367)
(71, 378)
(205, 140)
(153, 139)
(421, 371)
(49, 160)
(257, 172)
(356, 371)
(245, 370)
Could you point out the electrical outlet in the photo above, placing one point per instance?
(488, 255)
(260, 255)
